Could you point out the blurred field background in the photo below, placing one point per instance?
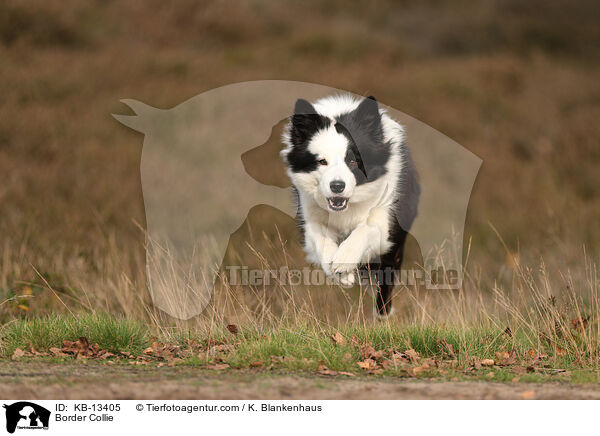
(514, 82)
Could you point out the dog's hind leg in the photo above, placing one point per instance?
(380, 287)
(391, 263)
(383, 301)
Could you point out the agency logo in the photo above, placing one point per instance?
(26, 415)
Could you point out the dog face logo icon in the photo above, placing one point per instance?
(26, 415)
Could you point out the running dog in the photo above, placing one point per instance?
(356, 187)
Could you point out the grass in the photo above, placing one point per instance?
(302, 347)
(546, 330)
(308, 348)
(113, 334)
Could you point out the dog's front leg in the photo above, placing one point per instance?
(351, 250)
(321, 245)
(364, 242)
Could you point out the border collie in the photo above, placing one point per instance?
(356, 188)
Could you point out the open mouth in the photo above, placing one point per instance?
(337, 203)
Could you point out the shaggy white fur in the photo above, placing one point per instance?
(340, 240)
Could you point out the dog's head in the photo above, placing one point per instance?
(335, 150)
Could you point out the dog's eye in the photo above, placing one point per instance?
(322, 162)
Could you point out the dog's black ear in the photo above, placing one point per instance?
(303, 107)
(368, 111)
(305, 122)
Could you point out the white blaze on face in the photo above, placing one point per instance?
(330, 145)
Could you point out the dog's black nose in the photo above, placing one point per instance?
(337, 186)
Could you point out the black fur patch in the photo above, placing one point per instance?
(305, 123)
(368, 152)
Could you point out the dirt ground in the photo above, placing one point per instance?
(39, 380)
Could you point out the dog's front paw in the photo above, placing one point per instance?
(326, 266)
(345, 259)
(326, 259)
(346, 279)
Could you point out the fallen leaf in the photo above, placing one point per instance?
(349, 374)
(377, 355)
(82, 343)
(366, 351)
(367, 364)
(216, 366)
(508, 332)
(518, 369)
(580, 323)
(487, 362)
(505, 358)
(476, 362)
(387, 364)
(363, 365)
(420, 369)
(17, 354)
(412, 355)
(447, 348)
(233, 329)
(56, 351)
(34, 352)
(449, 363)
(78, 347)
(323, 370)
(558, 350)
(501, 355)
(338, 339)
(256, 364)
(106, 355)
(399, 359)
